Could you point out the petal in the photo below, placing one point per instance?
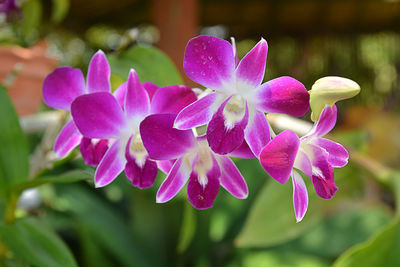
(325, 123)
(142, 177)
(150, 88)
(283, 95)
(303, 163)
(300, 196)
(93, 151)
(67, 139)
(165, 165)
(111, 165)
(257, 133)
(162, 141)
(278, 156)
(137, 102)
(251, 68)
(98, 76)
(174, 182)
(221, 139)
(201, 195)
(243, 152)
(338, 155)
(172, 99)
(98, 115)
(210, 62)
(120, 94)
(198, 113)
(231, 178)
(62, 86)
(234, 51)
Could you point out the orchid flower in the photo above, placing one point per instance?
(100, 115)
(61, 88)
(235, 109)
(313, 155)
(195, 161)
(10, 8)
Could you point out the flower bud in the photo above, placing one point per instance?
(329, 90)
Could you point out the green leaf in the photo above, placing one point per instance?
(271, 220)
(14, 164)
(31, 14)
(188, 228)
(282, 259)
(36, 244)
(60, 10)
(381, 250)
(150, 63)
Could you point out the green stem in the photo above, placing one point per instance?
(11, 207)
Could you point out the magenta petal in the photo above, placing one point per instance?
(150, 88)
(172, 99)
(98, 115)
(110, 166)
(120, 94)
(222, 140)
(338, 155)
(98, 76)
(165, 165)
(201, 195)
(303, 163)
(278, 156)
(67, 139)
(257, 133)
(209, 61)
(93, 151)
(283, 95)
(325, 123)
(251, 68)
(62, 86)
(243, 152)
(161, 140)
(142, 177)
(300, 196)
(174, 182)
(231, 178)
(196, 114)
(137, 102)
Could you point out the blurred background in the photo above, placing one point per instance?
(123, 226)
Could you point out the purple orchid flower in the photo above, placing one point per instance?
(117, 118)
(235, 110)
(195, 161)
(10, 8)
(313, 155)
(61, 88)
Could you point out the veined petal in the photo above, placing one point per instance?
(161, 140)
(231, 178)
(150, 88)
(202, 195)
(93, 151)
(257, 132)
(172, 99)
(338, 155)
(137, 102)
(175, 180)
(251, 68)
(141, 176)
(62, 86)
(98, 115)
(198, 113)
(283, 95)
(325, 123)
(98, 76)
(300, 196)
(67, 139)
(243, 152)
(278, 156)
(210, 62)
(111, 165)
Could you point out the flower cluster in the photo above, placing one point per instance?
(141, 127)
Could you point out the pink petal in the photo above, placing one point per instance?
(303, 163)
(209, 61)
(93, 151)
(243, 152)
(172, 99)
(251, 68)
(67, 139)
(198, 113)
(150, 88)
(300, 196)
(120, 94)
(98, 76)
(62, 86)
(165, 165)
(202, 196)
(141, 177)
(338, 155)
(257, 133)
(98, 115)
(111, 165)
(231, 178)
(162, 141)
(278, 156)
(174, 182)
(283, 95)
(137, 102)
(222, 140)
(325, 123)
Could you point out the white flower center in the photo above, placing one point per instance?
(136, 149)
(204, 163)
(234, 111)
